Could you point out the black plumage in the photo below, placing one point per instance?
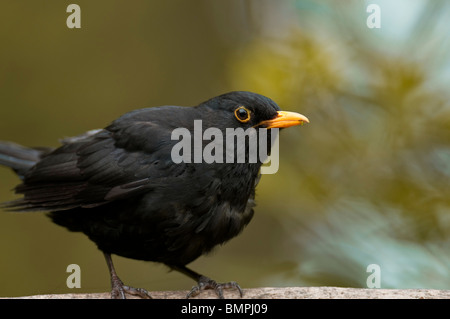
(120, 186)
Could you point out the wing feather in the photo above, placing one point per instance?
(123, 160)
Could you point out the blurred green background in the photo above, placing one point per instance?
(367, 182)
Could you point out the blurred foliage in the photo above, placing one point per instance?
(366, 182)
(374, 163)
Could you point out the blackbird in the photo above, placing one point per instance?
(122, 187)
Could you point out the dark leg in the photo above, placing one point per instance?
(205, 283)
(118, 289)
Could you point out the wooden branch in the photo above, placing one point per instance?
(280, 293)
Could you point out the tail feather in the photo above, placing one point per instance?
(20, 158)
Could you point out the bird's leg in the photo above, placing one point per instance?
(204, 283)
(118, 289)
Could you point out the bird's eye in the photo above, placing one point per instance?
(242, 114)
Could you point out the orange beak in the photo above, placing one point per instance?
(285, 119)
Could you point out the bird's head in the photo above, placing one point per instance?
(247, 109)
(243, 117)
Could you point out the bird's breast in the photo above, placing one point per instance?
(225, 221)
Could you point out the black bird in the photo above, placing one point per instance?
(122, 188)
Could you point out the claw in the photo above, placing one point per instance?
(119, 290)
(205, 283)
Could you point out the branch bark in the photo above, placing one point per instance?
(279, 293)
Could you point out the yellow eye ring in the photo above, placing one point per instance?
(242, 114)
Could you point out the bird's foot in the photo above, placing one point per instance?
(205, 283)
(119, 290)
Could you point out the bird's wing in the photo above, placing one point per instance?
(124, 160)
